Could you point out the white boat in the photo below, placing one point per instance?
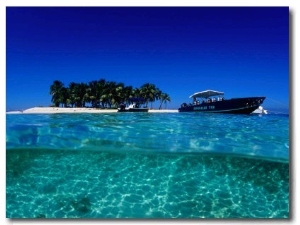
(135, 106)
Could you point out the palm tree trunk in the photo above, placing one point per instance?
(160, 104)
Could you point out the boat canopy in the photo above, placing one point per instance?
(206, 94)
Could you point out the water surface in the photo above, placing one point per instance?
(143, 165)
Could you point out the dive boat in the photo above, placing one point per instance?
(214, 102)
(135, 106)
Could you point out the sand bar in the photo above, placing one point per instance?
(51, 110)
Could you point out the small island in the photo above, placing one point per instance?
(98, 96)
(102, 94)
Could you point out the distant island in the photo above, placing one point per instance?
(103, 94)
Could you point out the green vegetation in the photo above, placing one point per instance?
(103, 94)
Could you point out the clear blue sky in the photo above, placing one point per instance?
(241, 51)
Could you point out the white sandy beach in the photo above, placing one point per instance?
(50, 110)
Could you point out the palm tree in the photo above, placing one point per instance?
(65, 97)
(127, 92)
(164, 98)
(106, 93)
(136, 92)
(78, 94)
(119, 92)
(149, 92)
(56, 92)
(72, 93)
(82, 95)
(92, 93)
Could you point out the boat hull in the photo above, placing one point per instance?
(234, 105)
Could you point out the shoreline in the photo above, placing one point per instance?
(53, 110)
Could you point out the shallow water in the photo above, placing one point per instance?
(146, 165)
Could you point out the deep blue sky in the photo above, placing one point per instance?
(241, 51)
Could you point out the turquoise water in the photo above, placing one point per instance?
(147, 165)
